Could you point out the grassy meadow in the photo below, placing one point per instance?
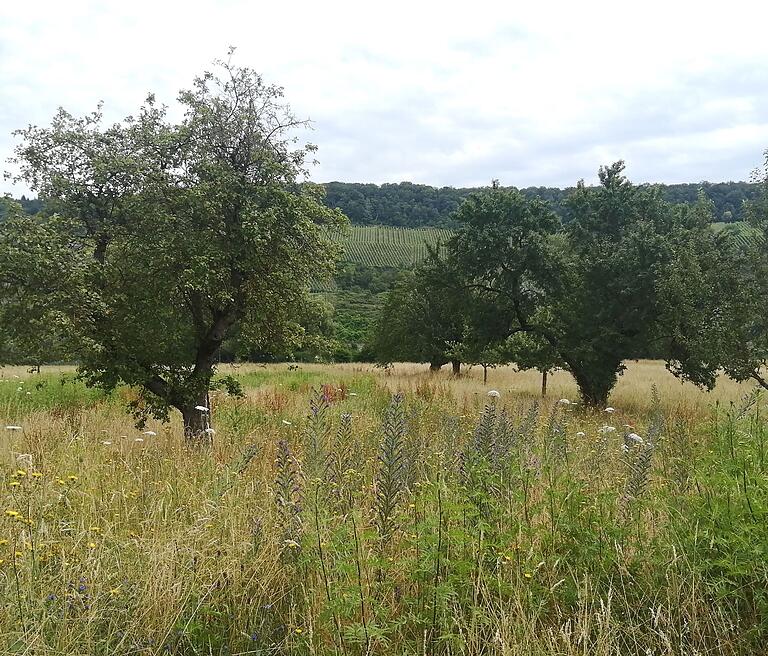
(344, 509)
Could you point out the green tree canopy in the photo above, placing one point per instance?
(176, 237)
(594, 292)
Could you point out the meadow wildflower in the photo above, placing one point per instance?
(150, 433)
(13, 428)
(138, 439)
(610, 410)
(12, 513)
(201, 408)
(286, 422)
(494, 394)
(580, 434)
(564, 402)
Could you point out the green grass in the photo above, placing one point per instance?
(61, 392)
(341, 520)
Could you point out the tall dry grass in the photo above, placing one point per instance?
(447, 523)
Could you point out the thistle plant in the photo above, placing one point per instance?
(340, 460)
(317, 435)
(389, 484)
(288, 497)
(639, 459)
(483, 445)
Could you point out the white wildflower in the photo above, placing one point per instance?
(201, 408)
(138, 439)
(581, 434)
(286, 422)
(24, 460)
(106, 442)
(635, 438)
(13, 428)
(607, 429)
(564, 402)
(494, 394)
(210, 431)
(150, 433)
(610, 410)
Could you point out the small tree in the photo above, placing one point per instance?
(421, 318)
(183, 234)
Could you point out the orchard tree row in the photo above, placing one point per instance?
(627, 275)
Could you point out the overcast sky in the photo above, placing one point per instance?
(533, 93)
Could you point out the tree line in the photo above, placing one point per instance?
(626, 275)
(414, 206)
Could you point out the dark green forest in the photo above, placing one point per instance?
(413, 205)
(416, 206)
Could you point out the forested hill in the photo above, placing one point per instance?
(413, 205)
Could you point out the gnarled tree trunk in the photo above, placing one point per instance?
(197, 423)
(456, 367)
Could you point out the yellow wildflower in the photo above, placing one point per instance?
(37, 474)
(91, 545)
(14, 484)
(18, 554)
(299, 630)
(12, 513)
(21, 472)
(114, 591)
(3, 543)
(72, 478)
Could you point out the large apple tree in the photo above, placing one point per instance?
(165, 238)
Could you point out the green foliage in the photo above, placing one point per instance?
(605, 287)
(422, 317)
(179, 236)
(410, 205)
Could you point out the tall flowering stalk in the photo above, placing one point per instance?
(288, 497)
(389, 484)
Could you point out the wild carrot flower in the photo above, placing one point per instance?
(494, 394)
(201, 408)
(564, 402)
(13, 428)
(150, 433)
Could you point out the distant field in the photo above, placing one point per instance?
(385, 246)
(394, 247)
(741, 229)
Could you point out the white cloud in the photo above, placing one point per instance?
(432, 92)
